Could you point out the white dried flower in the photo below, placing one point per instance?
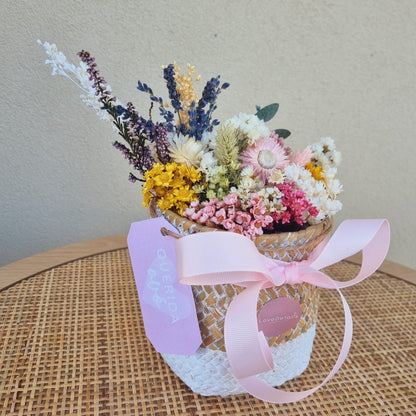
(77, 74)
(247, 171)
(186, 150)
(250, 126)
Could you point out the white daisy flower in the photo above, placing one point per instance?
(186, 150)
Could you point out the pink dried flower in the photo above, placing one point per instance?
(279, 140)
(258, 210)
(209, 210)
(229, 224)
(210, 203)
(254, 229)
(204, 218)
(231, 199)
(195, 216)
(188, 212)
(255, 198)
(231, 212)
(264, 156)
(297, 207)
(301, 158)
(238, 229)
(313, 211)
(266, 220)
(219, 216)
(242, 218)
(257, 224)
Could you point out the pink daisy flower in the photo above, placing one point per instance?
(264, 156)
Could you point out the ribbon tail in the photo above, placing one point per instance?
(258, 388)
(247, 349)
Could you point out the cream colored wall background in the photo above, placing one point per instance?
(344, 69)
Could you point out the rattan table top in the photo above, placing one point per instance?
(73, 343)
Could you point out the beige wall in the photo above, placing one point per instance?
(344, 69)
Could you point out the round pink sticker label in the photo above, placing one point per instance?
(278, 316)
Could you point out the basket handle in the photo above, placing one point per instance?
(164, 231)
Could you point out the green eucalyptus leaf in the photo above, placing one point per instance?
(282, 133)
(258, 108)
(268, 112)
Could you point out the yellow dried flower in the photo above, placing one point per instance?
(315, 170)
(157, 169)
(171, 186)
(191, 172)
(150, 183)
(171, 167)
(160, 191)
(184, 194)
(180, 206)
(177, 182)
(164, 203)
(147, 196)
(164, 179)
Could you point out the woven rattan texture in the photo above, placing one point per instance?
(73, 343)
(213, 301)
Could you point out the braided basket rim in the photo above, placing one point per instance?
(311, 232)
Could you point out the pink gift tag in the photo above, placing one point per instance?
(167, 306)
(278, 316)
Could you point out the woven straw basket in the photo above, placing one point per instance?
(207, 372)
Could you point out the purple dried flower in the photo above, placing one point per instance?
(134, 129)
(160, 138)
(99, 83)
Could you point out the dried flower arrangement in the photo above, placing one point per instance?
(236, 175)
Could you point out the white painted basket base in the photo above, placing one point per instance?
(207, 372)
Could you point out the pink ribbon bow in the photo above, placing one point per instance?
(223, 257)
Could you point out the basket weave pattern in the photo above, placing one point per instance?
(212, 303)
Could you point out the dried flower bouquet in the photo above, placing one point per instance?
(237, 175)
